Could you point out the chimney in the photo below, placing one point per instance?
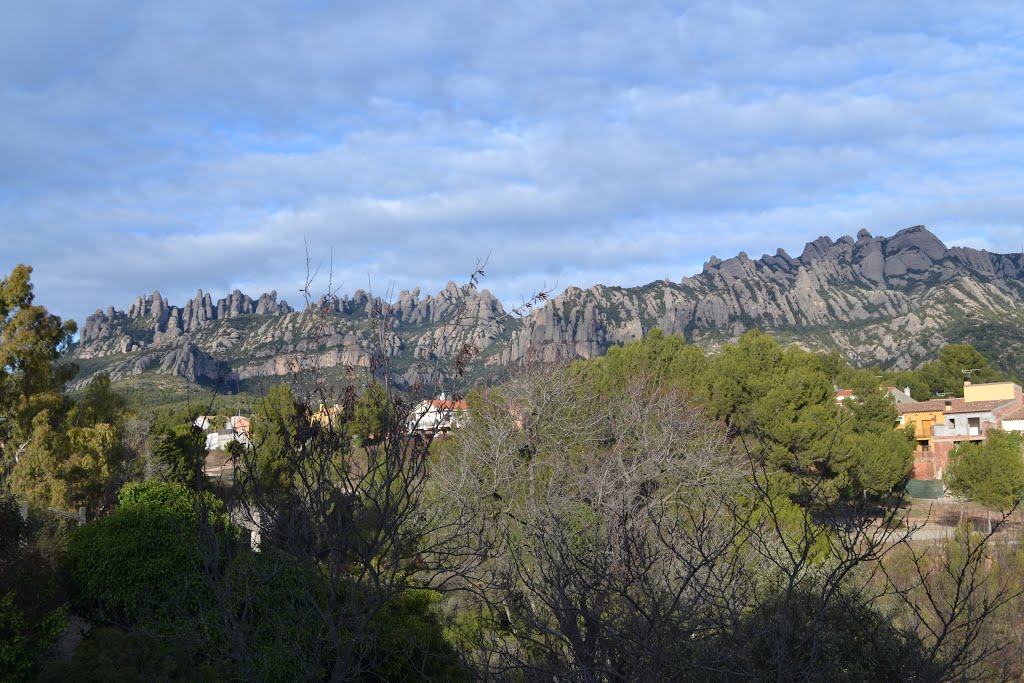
(967, 382)
(906, 390)
(949, 405)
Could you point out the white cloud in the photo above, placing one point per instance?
(154, 146)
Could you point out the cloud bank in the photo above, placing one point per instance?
(174, 146)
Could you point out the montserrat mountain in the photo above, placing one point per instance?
(888, 301)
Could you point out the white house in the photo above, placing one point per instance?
(1014, 422)
(204, 422)
(219, 440)
(437, 415)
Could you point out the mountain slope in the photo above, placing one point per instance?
(891, 301)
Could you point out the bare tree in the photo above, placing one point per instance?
(597, 524)
(620, 536)
(350, 524)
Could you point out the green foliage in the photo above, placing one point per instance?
(884, 459)
(181, 451)
(990, 472)
(659, 359)
(374, 414)
(408, 642)
(174, 498)
(109, 653)
(22, 642)
(883, 455)
(782, 402)
(282, 602)
(997, 338)
(143, 563)
(32, 605)
(99, 403)
(946, 373)
(275, 425)
(68, 467)
(801, 633)
(73, 456)
(31, 341)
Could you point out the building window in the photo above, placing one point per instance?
(923, 446)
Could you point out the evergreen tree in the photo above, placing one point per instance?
(31, 340)
(990, 472)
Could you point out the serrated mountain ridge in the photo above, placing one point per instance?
(891, 301)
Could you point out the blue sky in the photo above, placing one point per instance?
(173, 146)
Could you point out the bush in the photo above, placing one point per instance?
(801, 633)
(32, 604)
(409, 642)
(144, 562)
(113, 654)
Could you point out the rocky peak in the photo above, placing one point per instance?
(165, 321)
(884, 300)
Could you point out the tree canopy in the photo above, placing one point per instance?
(31, 340)
(990, 472)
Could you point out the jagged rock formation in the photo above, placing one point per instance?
(875, 299)
(887, 300)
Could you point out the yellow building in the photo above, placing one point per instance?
(940, 424)
(924, 415)
(991, 391)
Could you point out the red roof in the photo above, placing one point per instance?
(979, 406)
(1015, 415)
(958, 406)
(936, 405)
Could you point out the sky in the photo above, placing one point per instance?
(193, 144)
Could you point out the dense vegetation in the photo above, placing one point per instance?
(654, 514)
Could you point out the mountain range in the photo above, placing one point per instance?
(885, 301)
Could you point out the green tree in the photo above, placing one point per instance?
(665, 360)
(990, 472)
(32, 604)
(31, 340)
(783, 405)
(99, 403)
(946, 373)
(68, 467)
(781, 402)
(144, 562)
(883, 455)
(373, 414)
(276, 426)
(180, 451)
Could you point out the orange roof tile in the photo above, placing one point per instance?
(1015, 415)
(449, 405)
(979, 406)
(936, 405)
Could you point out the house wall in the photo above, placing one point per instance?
(923, 423)
(926, 465)
(932, 427)
(1003, 391)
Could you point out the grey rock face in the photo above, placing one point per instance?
(875, 299)
(170, 322)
